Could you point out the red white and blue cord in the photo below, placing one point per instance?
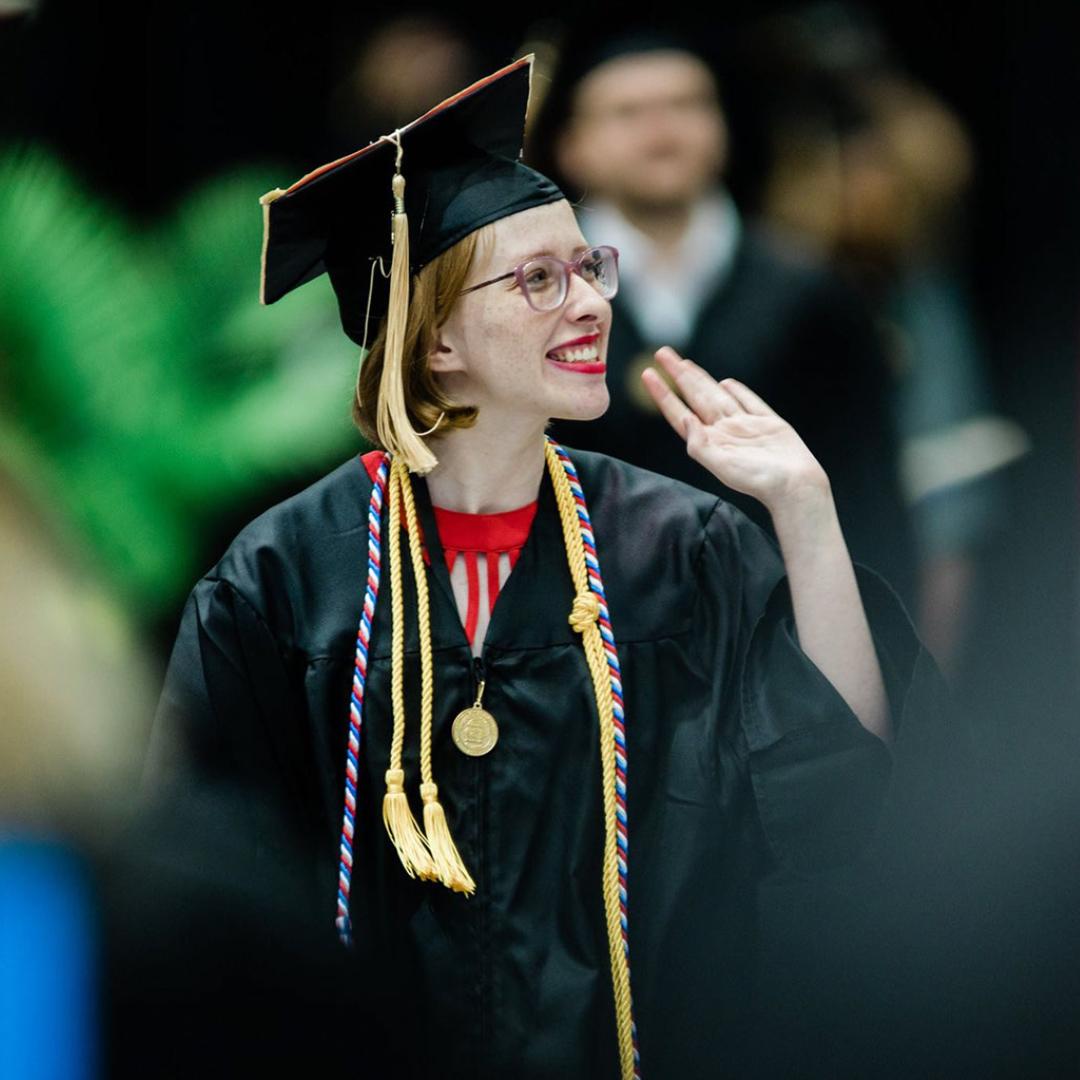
(596, 586)
(356, 700)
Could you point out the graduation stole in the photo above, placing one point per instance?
(430, 853)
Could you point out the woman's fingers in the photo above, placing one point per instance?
(746, 397)
(699, 389)
(667, 401)
(702, 397)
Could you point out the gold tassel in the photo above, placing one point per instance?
(449, 865)
(404, 831)
(398, 818)
(264, 202)
(392, 423)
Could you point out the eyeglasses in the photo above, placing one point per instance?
(545, 281)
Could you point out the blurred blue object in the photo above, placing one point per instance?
(48, 983)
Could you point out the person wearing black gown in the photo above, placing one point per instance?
(635, 125)
(595, 703)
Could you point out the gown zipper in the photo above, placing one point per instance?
(483, 883)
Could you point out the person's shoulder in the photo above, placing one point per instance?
(624, 489)
(270, 550)
(660, 538)
(651, 516)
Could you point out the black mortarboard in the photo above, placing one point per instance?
(462, 163)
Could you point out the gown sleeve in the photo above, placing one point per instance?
(819, 779)
(229, 720)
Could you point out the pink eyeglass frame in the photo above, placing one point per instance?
(572, 267)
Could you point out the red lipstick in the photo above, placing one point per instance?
(588, 339)
(582, 367)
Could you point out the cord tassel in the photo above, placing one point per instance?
(405, 834)
(401, 825)
(449, 864)
(449, 867)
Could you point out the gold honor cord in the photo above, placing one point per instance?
(448, 865)
(405, 834)
(583, 619)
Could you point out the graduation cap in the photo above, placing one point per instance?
(353, 217)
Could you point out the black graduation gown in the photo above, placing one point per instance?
(742, 757)
(795, 334)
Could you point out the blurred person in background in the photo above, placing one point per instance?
(635, 124)
(117, 926)
(73, 714)
(394, 72)
(870, 169)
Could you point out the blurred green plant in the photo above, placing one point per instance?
(143, 388)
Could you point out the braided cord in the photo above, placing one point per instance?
(590, 618)
(343, 920)
(401, 826)
(423, 614)
(443, 861)
(397, 621)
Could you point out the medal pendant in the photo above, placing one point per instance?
(474, 731)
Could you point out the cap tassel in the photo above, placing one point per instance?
(448, 864)
(264, 202)
(392, 423)
(398, 817)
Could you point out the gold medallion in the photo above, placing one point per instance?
(475, 731)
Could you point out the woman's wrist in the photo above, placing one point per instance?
(805, 508)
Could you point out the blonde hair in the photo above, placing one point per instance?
(435, 290)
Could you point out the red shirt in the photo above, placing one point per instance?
(470, 536)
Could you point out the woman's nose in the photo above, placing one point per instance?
(583, 302)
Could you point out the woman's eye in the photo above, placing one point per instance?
(537, 278)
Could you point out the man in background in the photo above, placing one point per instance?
(636, 126)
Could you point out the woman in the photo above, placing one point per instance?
(744, 718)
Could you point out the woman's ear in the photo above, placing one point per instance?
(445, 357)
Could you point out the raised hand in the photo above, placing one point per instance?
(743, 443)
(733, 433)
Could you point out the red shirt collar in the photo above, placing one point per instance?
(504, 531)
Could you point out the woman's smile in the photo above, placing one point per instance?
(582, 355)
